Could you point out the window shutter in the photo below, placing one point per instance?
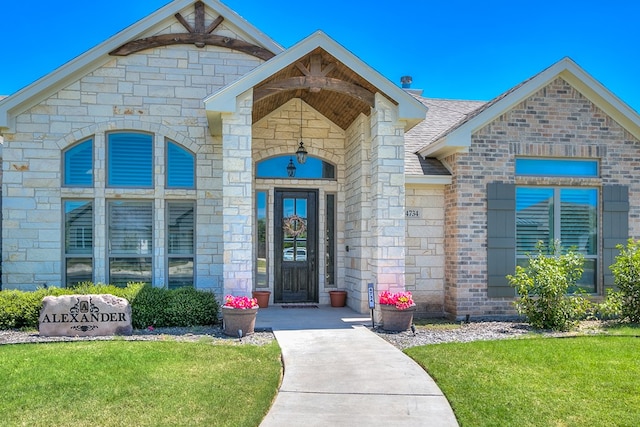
(501, 238)
(615, 226)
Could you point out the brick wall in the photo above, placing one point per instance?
(557, 121)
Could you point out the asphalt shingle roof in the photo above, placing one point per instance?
(443, 114)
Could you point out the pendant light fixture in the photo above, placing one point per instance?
(301, 153)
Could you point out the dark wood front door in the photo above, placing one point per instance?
(296, 246)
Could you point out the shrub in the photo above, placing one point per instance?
(626, 273)
(21, 309)
(148, 309)
(190, 307)
(542, 288)
(611, 307)
(186, 306)
(149, 306)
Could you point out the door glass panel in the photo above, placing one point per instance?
(294, 224)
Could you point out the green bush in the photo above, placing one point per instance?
(611, 307)
(542, 288)
(626, 273)
(190, 307)
(148, 309)
(185, 306)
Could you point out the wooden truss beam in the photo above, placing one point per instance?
(199, 35)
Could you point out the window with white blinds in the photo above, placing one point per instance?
(130, 160)
(130, 225)
(78, 165)
(566, 214)
(180, 243)
(78, 241)
(180, 167)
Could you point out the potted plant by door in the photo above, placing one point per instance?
(239, 315)
(338, 298)
(397, 310)
(262, 297)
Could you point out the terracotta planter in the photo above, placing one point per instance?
(262, 297)
(395, 320)
(338, 298)
(235, 319)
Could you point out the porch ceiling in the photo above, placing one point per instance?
(321, 81)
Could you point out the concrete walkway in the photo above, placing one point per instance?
(339, 373)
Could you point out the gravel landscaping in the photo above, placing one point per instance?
(439, 333)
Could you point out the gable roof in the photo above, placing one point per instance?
(224, 100)
(99, 55)
(458, 136)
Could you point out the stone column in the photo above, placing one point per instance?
(237, 198)
(388, 197)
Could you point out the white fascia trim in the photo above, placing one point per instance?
(460, 138)
(410, 109)
(99, 55)
(416, 180)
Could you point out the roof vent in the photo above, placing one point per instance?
(406, 81)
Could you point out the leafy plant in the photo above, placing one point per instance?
(542, 287)
(626, 273)
(611, 307)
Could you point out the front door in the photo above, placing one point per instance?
(296, 246)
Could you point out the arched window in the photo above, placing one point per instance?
(278, 167)
(78, 165)
(180, 167)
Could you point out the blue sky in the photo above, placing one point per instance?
(457, 49)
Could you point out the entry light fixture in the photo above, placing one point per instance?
(291, 168)
(301, 153)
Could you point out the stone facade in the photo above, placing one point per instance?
(159, 92)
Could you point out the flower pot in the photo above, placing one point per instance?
(395, 320)
(338, 298)
(237, 319)
(262, 297)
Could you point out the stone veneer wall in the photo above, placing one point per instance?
(158, 90)
(425, 259)
(557, 121)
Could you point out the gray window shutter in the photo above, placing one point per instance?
(501, 238)
(615, 226)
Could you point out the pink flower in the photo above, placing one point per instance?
(240, 302)
(150, 328)
(402, 300)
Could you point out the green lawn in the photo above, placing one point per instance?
(136, 383)
(577, 381)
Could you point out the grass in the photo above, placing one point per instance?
(575, 381)
(142, 383)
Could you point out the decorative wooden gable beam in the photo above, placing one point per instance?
(199, 35)
(314, 79)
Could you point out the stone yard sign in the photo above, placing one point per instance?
(85, 316)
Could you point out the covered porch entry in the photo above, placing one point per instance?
(300, 227)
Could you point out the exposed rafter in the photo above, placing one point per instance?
(199, 35)
(314, 79)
